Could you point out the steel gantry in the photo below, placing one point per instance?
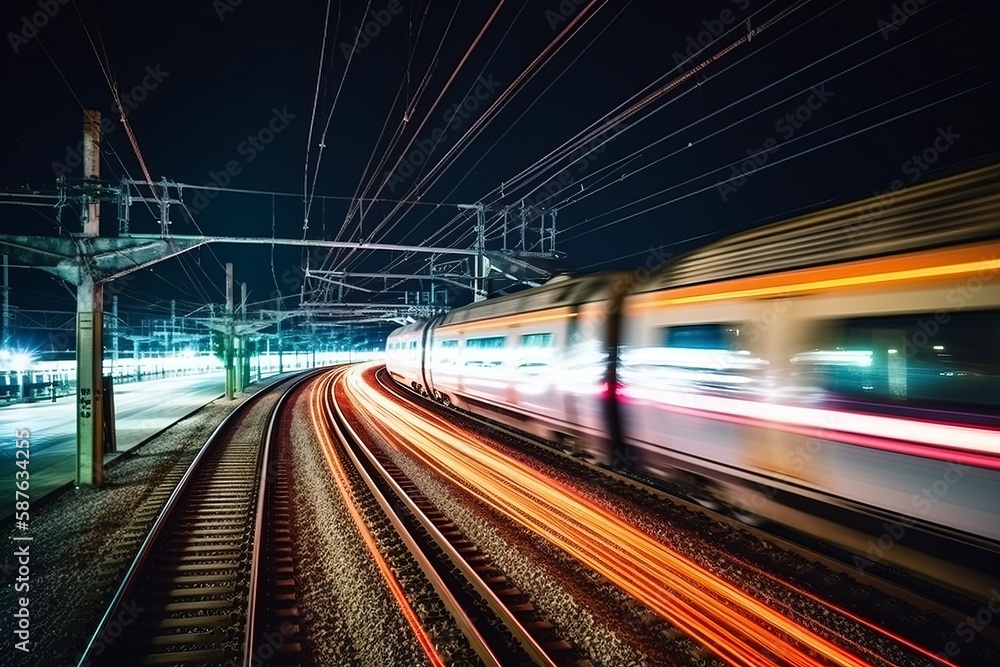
(89, 261)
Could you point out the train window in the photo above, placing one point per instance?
(448, 352)
(491, 343)
(536, 340)
(704, 358)
(926, 360)
(703, 337)
(485, 352)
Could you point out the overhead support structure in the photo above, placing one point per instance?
(481, 266)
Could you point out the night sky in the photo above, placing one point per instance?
(833, 99)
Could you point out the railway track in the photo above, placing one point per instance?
(816, 571)
(195, 591)
(500, 624)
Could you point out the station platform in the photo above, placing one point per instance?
(141, 410)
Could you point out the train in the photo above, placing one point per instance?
(843, 360)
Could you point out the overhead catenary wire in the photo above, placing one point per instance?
(849, 69)
(667, 87)
(576, 198)
(312, 117)
(329, 117)
(545, 56)
(782, 160)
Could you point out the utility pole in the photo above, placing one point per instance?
(89, 313)
(228, 335)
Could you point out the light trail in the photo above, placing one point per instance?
(724, 619)
(316, 414)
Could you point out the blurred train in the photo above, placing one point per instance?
(848, 358)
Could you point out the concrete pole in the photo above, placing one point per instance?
(89, 314)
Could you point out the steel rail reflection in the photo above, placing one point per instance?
(724, 619)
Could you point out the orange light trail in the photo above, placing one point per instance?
(318, 390)
(724, 619)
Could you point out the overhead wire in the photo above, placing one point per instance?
(545, 56)
(669, 85)
(329, 117)
(576, 198)
(437, 101)
(787, 158)
(312, 118)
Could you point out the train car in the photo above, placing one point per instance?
(850, 357)
(536, 360)
(404, 354)
(846, 360)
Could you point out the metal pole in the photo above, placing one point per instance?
(164, 208)
(433, 293)
(89, 313)
(242, 367)
(5, 342)
(281, 347)
(542, 232)
(172, 337)
(524, 224)
(480, 286)
(504, 227)
(114, 330)
(552, 241)
(228, 337)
